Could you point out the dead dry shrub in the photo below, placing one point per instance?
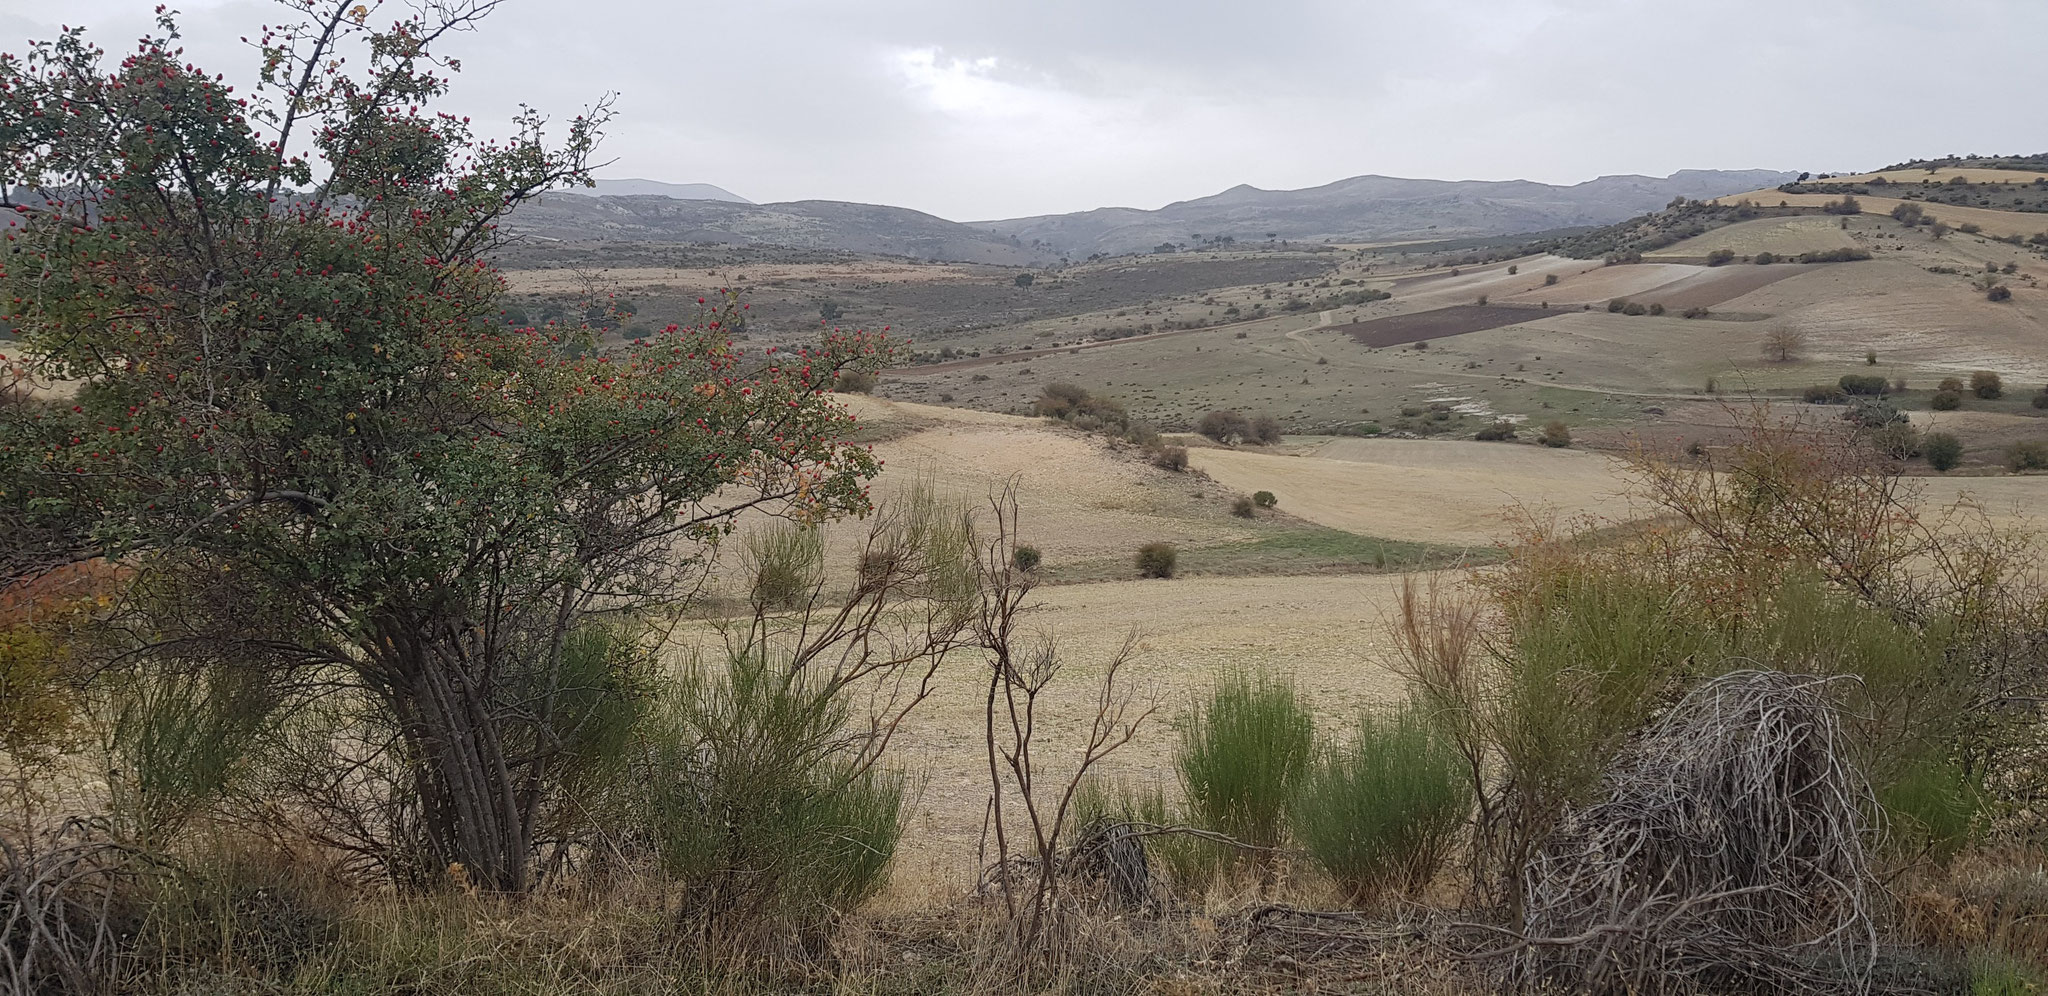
(1728, 852)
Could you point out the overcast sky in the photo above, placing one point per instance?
(975, 110)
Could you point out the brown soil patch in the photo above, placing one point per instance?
(1722, 284)
(1397, 330)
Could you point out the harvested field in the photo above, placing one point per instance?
(1397, 330)
(1596, 284)
(1783, 236)
(1993, 222)
(1969, 174)
(1722, 284)
(1439, 491)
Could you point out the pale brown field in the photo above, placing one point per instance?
(1434, 491)
(1942, 175)
(1993, 222)
(677, 279)
(1783, 236)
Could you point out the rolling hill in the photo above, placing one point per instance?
(1360, 209)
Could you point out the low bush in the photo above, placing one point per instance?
(1942, 450)
(856, 382)
(1224, 426)
(1173, 458)
(1026, 558)
(1242, 507)
(1615, 306)
(1633, 308)
(1945, 401)
(1383, 811)
(1243, 750)
(1870, 385)
(1720, 257)
(1998, 292)
(1950, 384)
(1265, 499)
(1549, 279)
(1697, 311)
(1766, 258)
(1556, 434)
(1834, 256)
(2041, 399)
(1157, 560)
(1987, 385)
(2025, 456)
(1822, 394)
(1262, 429)
(1496, 432)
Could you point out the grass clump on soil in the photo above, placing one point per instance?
(1382, 811)
(1243, 750)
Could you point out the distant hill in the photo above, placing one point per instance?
(1360, 209)
(1374, 208)
(833, 225)
(656, 188)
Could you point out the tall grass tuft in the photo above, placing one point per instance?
(1242, 752)
(1383, 811)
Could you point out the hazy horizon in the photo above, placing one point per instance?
(979, 111)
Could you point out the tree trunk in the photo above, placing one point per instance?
(468, 790)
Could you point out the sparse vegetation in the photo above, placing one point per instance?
(1783, 344)
(1265, 499)
(1555, 434)
(1945, 401)
(1243, 751)
(2025, 456)
(1987, 385)
(1942, 450)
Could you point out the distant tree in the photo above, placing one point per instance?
(1023, 280)
(1783, 344)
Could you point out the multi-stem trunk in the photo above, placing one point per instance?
(469, 789)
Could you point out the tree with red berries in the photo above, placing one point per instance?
(288, 410)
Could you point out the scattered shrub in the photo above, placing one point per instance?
(1766, 258)
(1174, 458)
(1242, 752)
(1383, 811)
(1843, 255)
(1262, 429)
(1265, 499)
(1864, 384)
(1998, 292)
(1242, 507)
(1549, 279)
(1822, 394)
(1945, 401)
(856, 382)
(1633, 308)
(1157, 560)
(1026, 558)
(1720, 257)
(2041, 399)
(1224, 426)
(1697, 311)
(1556, 433)
(1496, 432)
(2025, 456)
(1987, 385)
(1870, 357)
(1950, 384)
(1942, 450)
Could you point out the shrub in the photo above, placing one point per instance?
(1633, 308)
(1987, 385)
(2041, 399)
(1697, 311)
(1383, 811)
(1174, 458)
(1822, 394)
(1549, 279)
(1242, 507)
(1945, 401)
(1844, 255)
(1242, 752)
(1656, 309)
(1513, 269)
(1950, 384)
(1870, 357)
(1496, 432)
(856, 382)
(1942, 450)
(1555, 433)
(1262, 429)
(1265, 499)
(2029, 455)
(1156, 560)
(1720, 257)
(1766, 258)
(1224, 426)
(1898, 440)
(1998, 292)
(1615, 306)
(1864, 384)
(1026, 558)
(786, 562)
(1023, 280)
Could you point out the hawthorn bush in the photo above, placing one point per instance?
(300, 419)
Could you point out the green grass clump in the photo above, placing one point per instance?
(1242, 752)
(1383, 811)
